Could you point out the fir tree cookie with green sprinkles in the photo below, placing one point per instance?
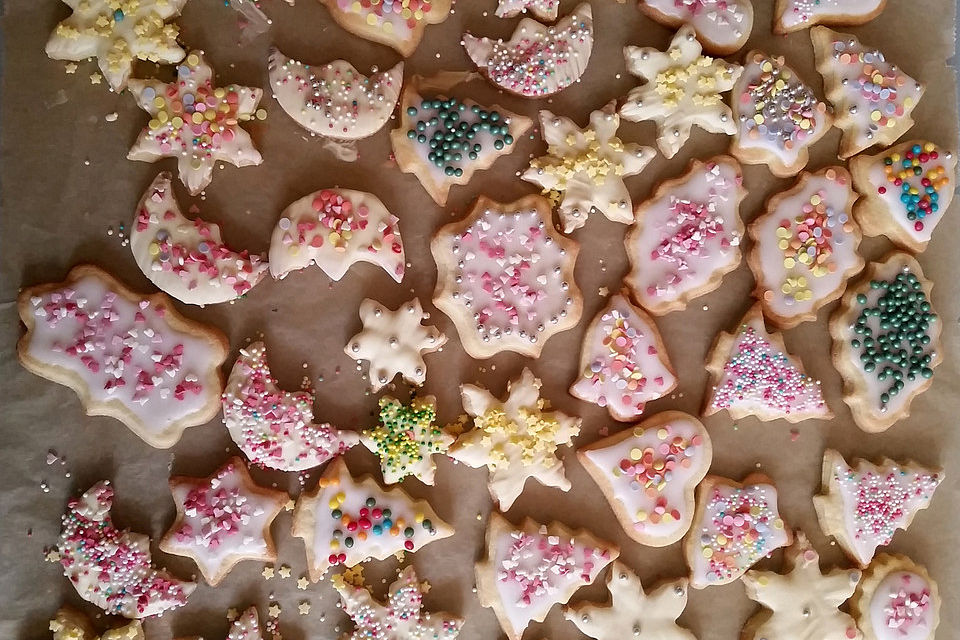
(886, 341)
(406, 439)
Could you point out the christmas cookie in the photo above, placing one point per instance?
(687, 236)
(538, 60)
(275, 428)
(734, 527)
(896, 600)
(71, 624)
(531, 568)
(803, 602)
(334, 229)
(544, 9)
(505, 277)
(886, 341)
(222, 519)
(682, 90)
(723, 26)
(111, 568)
(794, 15)
(584, 169)
(393, 342)
(906, 191)
(648, 474)
(805, 247)
(751, 374)
(863, 505)
(406, 439)
(127, 356)
(872, 97)
(396, 23)
(514, 439)
(345, 521)
(778, 116)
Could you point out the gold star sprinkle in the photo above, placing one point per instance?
(70, 67)
(425, 587)
(95, 78)
(267, 573)
(303, 608)
(290, 505)
(274, 610)
(52, 556)
(353, 576)
(284, 571)
(302, 583)
(232, 614)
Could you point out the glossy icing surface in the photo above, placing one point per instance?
(902, 607)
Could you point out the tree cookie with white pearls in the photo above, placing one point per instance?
(794, 15)
(723, 26)
(387, 23)
(896, 600)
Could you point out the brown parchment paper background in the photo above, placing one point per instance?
(66, 180)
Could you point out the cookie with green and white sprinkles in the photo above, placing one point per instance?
(406, 439)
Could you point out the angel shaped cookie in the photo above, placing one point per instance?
(396, 23)
(794, 15)
(896, 600)
(723, 26)
(406, 439)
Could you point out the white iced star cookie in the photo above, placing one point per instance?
(544, 9)
(683, 89)
(794, 15)
(117, 33)
(584, 169)
(896, 600)
(723, 26)
(515, 439)
(406, 439)
(393, 342)
(396, 23)
(196, 122)
(631, 612)
(71, 624)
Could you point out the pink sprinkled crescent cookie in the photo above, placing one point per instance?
(723, 26)
(396, 23)
(896, 600)
(794, 15)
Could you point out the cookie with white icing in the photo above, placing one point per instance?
(872, 98)
(544, 9)
(687, 236)
(505, 277)
(334, 229)
(906, 191)
(407, 438)
(346, 521)
(71, 624)
(864, 504)
(794, 15)
(584, 169)
(896, 600)
(529, 569)
(723, 26)
(396, 23)
(648, 474)
(805, 247)
(623, 361)
(128, 356)
(538, 60)
(886, 341)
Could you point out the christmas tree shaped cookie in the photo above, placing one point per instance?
(396, 23)
(406, 439)
(794, 15)
(896, 600)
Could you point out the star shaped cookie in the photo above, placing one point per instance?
(683, 89)
(584, 168)
(70, 624)
(407, 438)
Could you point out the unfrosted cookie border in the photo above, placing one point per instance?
(882, 566)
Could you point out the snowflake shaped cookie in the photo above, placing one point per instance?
(406, 439)
(71, 624)
(544, 9)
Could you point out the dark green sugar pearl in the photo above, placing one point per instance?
(450, 128)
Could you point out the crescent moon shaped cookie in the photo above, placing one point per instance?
(805, 247)
(886, 341)
(584, 169)
(537, 61)
(896, 600)
(187, 259)
(547, 10)
(396, 23)
(71, 624)
(111, 568)
(906, 191)
(648, 474)
(505, 277)
(127, 356)
(530, 568)
(794, 15)
(723, 26)
(275, 428)
(334, 229)
(334, 100)
(687, 236)
(872, 98)
(863, 505)
(735, 526)
(406, 439)
(345, 521)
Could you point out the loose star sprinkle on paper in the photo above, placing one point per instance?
(302, 583)
(70, 624)
(267, 573)
(303, 608)
(407, 438)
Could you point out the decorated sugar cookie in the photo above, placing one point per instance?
(805, 247)
(530, 568)
(734, 527)
(111, 568)
(632, 613)
(584, 169)
(896, 600)
(445, 140)
(751, 374)
(682, 89)
(515, 439)
(794, 15)
(544, 9)
(623, 362)
(334, 229)
(71, 624)
(872, 98)
(334, 100)
(406, 439)
(538, 60)
(223, 519)
(906, 191)
(886, 341)
(188, 259)
(687, 236)
(117, 33)
(505, 277)
(723, 26)
(345, 521)
(396, 23)
(803, 602)
(863, 505)
(127, 356)
(778, 116)
(648, 474)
